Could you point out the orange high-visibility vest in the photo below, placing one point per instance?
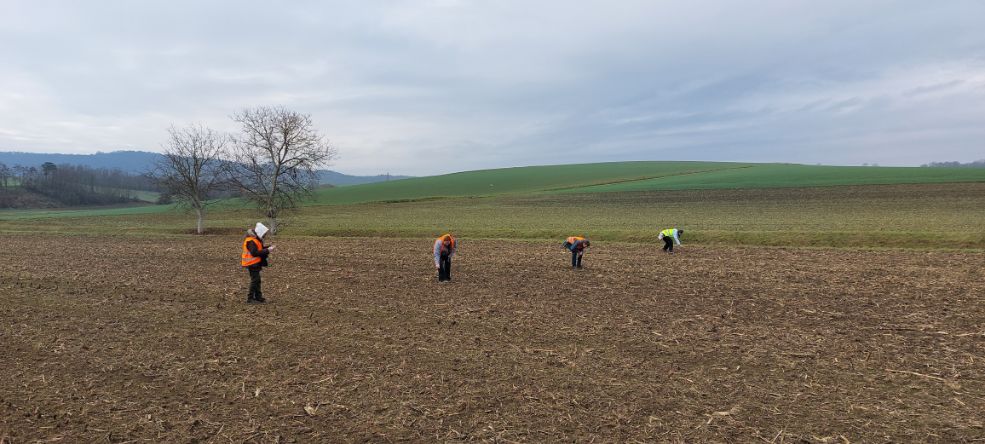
(247, 258)
(573, 239)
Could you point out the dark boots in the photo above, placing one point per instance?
(255, 295)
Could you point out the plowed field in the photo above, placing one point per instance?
(117, 339)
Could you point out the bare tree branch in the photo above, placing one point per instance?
(275, 157)
(192, 168)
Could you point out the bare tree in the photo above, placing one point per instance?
(192, 167)
(275, 157)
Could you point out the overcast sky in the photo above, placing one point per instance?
(438, 86)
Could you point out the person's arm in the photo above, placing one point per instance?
(676, 238)
(437, 253)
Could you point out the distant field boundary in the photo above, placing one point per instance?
(705, 239)
(638, 179)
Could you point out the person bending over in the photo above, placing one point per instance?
(577, 246)
(444, 249)
(670, 236)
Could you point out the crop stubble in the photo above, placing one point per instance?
(118, 339)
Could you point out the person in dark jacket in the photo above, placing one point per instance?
(254, 258)
(577, 246)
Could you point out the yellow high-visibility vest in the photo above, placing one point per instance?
(668, 232)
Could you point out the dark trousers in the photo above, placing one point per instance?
(669, 244)
(444, 268)
(576, 258)
(255, 293)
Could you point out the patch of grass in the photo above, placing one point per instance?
(73, 213)
(908, 216)
(141, 195)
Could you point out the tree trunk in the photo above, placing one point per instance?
(273, 224)
(200, 228)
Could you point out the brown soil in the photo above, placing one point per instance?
(114, 339)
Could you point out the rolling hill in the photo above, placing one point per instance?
(637, 176)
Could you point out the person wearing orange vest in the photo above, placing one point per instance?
(254, 258)
(577, 246)
(670, 236)
(444, 249)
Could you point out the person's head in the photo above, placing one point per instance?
(587, 243)
(680, 232)
(446, 240)
(260, 230)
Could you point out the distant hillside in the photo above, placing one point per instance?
(639, 176)
(133, 162)
(339, 179)
(139, 162)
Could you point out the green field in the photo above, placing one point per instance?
(639, 176)
(718, 203)
(786, 176)
(515, 181)
(141, 195)
(74, 213)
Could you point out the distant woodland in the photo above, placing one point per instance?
(975, 164)
(49, 185)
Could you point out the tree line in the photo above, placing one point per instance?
(952, 164)
(271, 161)
(71, 184)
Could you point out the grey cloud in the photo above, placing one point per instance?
(489, 84)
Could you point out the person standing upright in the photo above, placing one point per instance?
(444, 249)
(254, 258)
(670, 236)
